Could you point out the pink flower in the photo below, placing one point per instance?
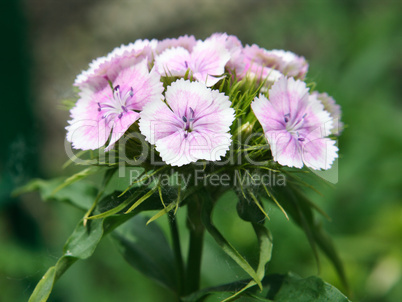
(192, 124)
(289, 63)
(255, 67)
(235, 48)
(296, 125)
(123, 56)
(334, 110)
(206, 62)
(187, 42)
(270, 65)
(102, 110)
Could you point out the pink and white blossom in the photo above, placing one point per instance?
(270, 65)
(192, 124)
(102, 110)
(206, 61)
(123, 56)
(334, 110)
(296, 125)
(187, 121)
(289, 63)
(187, 42)
(235, 48)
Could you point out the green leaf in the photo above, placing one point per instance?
(145, 248)
(223, 243)
(77, 176)
(80, 245)
(162, 212)
(300, 209)
(83, 242)
(248, 210)
(292, 288)
(116, 202)
(44, 287)
(281, 288)
(225, 288)
(142, 199)
(80, 194)
(113, 204)
(243, 298)
(265, 247)
(254, 298)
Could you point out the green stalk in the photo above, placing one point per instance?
(177, 253)
(196, 228)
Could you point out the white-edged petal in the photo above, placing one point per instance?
(172, 62)
(208, 61)
(192, 125)
(319, 153)
(185, 41)
(87, 134)
(123, 56)
(120, 126)
(102, 109)
(295, 125)
(286, 150)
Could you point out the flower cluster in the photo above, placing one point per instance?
(177, 123)
(190, 98)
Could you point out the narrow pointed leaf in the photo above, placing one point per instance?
(265, 247)
(83, 242)
(162, 212)
(44, 287)
(224, 244)
(79, 194)
(80, 175)
(117, 204)
(142, 199)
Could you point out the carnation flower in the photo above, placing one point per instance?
(102, 109)
(289, 63)
(254, 66)
(123, 56)
(187, 42)
(235, 48)
(193, 124)
(296, 125)
(206, 62)
(334, 110)
(270, 65)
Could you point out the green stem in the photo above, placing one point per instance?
(177, 253)
(196, 228)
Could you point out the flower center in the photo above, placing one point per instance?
(188, 122)
(292, 126)
(115, 106)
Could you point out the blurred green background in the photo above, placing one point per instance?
(354, 49)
